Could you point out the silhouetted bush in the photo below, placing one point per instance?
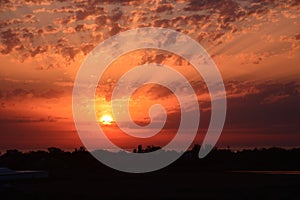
(217, 159)
(146, 150)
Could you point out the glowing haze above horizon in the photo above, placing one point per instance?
(255, 44)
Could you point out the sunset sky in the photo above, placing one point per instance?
(255, 44)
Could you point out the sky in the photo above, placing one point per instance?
(255, 44)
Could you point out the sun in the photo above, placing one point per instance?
(106, 120)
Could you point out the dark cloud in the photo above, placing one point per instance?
(116, 14)
(265, 104)
(10, 40)
(81, 15)
(86, 48)
(79, 27)
(154, 58)
(25, 119)
(215, 35)
(50, 29)
(123, 2)
(293, 2)
(27, 33)
(223, 6)
(3, 24)
(65, 20)
(22, 94)
(115, 29)
(195, 18)
(49, 94)
(164, 8)
(69, 52)
(164, 23)
(90, 8)
(38, 50)
(101, 20)
(158, 92)
(62, 40)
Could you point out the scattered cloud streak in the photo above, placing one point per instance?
(38, 27)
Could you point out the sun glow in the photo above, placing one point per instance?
(106, 120)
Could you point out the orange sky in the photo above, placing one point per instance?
(255, 44)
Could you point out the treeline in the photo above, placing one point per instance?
(218, 159)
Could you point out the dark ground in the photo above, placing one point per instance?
(181, 184)
(188, 178)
